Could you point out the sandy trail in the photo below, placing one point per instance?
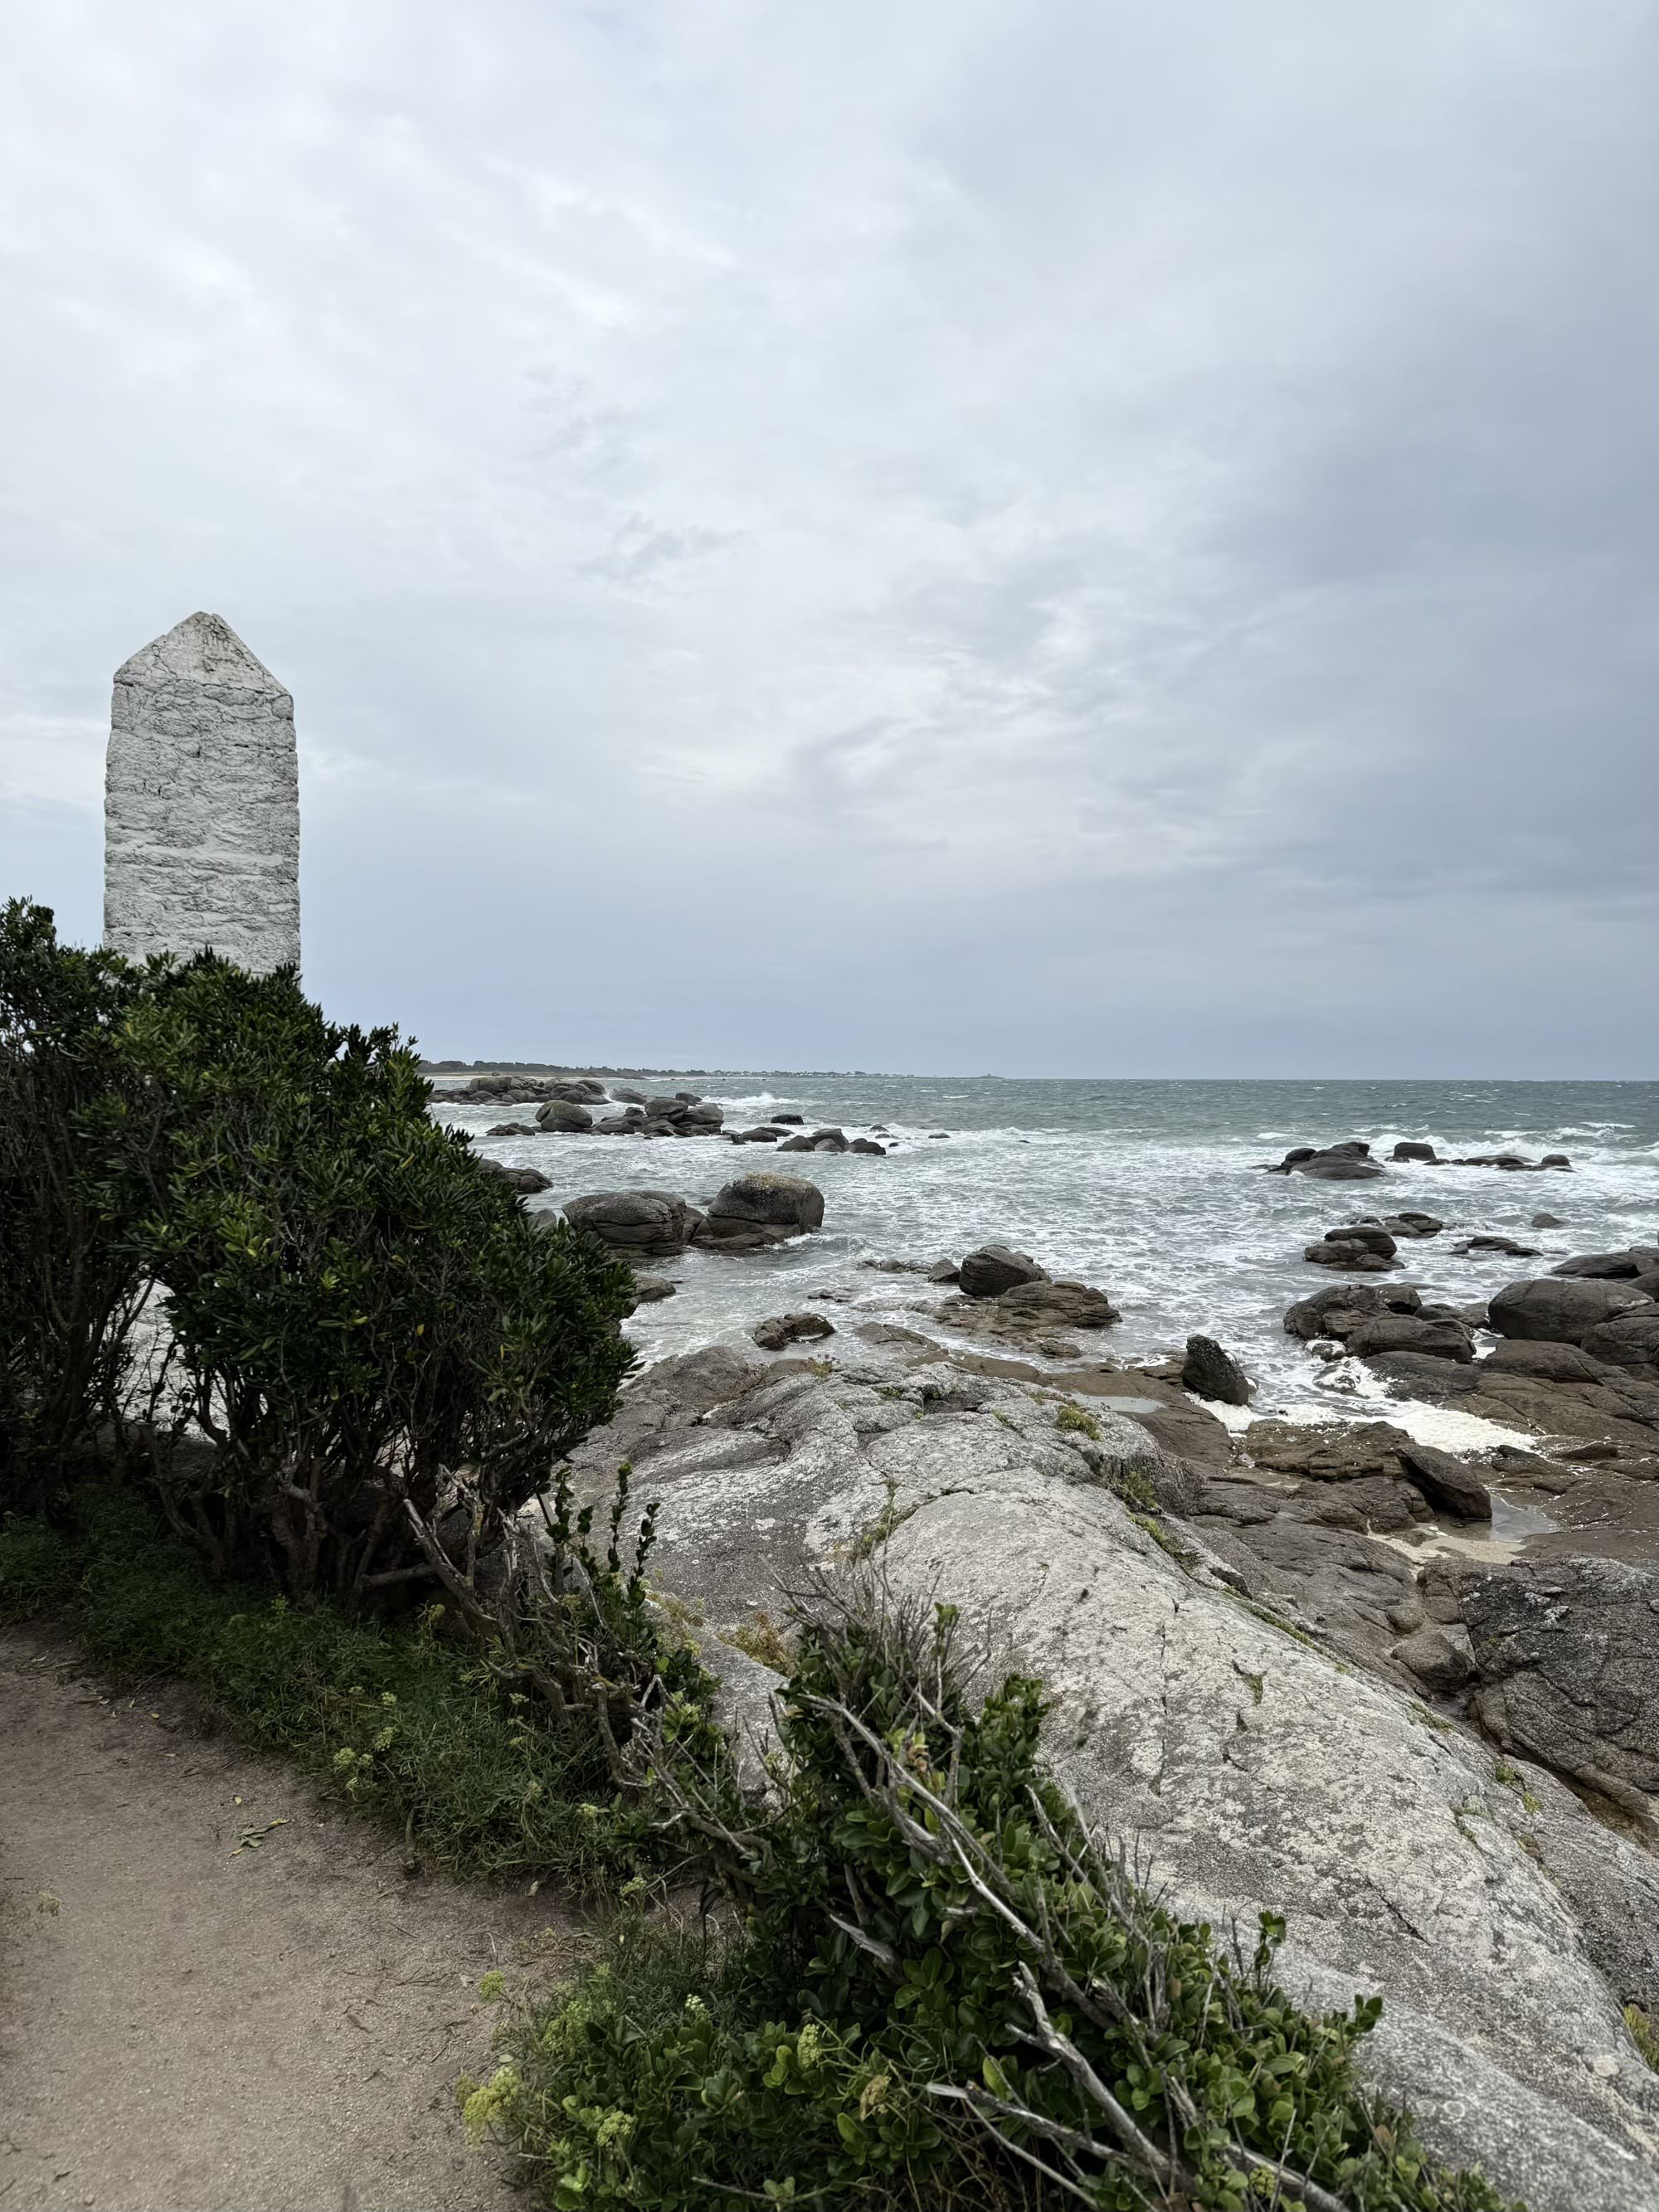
(189, 2027)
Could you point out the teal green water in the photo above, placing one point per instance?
(1147, 1189)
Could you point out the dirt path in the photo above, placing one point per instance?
(189, 2027)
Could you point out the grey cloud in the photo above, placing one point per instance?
(1081, 538)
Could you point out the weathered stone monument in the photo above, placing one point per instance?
(202, 803)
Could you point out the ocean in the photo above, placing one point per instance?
(1148, 1190)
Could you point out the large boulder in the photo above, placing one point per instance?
(653, 1223)
(1568, 1653)
(581, 1091)
(1335, 1311)
(1501, 1925)
(1408, 1149)
(1438, 1663)
(1562, 1310)
(758, 1210)
(560, 1117)
(1449, 1484)
(993, 1268)
(1209, 1372)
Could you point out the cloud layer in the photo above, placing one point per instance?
(1079, 539)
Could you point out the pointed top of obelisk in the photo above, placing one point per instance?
(204, 648)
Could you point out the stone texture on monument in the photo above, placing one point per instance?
(201, 803)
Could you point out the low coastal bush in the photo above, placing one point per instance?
(934, 1987)
(354, 1307)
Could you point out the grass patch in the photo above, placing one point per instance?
(1644, 2034)
(398, 1718)
(1071, 1420)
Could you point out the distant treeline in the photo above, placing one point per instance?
(550, 1067)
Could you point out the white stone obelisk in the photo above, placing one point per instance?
(202, 803)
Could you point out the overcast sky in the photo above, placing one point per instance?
(1072, 538)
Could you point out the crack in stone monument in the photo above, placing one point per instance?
(202, 803)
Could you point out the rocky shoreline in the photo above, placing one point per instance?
(1408, 1696)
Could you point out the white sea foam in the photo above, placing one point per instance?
(1149, 1190)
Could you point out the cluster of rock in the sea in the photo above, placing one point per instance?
(1352, 1162)
(565, 1108)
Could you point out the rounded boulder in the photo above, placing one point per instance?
(994, 1268)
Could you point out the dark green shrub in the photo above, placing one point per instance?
(943, 1991)
(356, 1306)
(67, 1292)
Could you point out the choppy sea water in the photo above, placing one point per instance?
(1148, 1189)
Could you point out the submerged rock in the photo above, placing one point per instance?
(785, 1329)
(563, 1117)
